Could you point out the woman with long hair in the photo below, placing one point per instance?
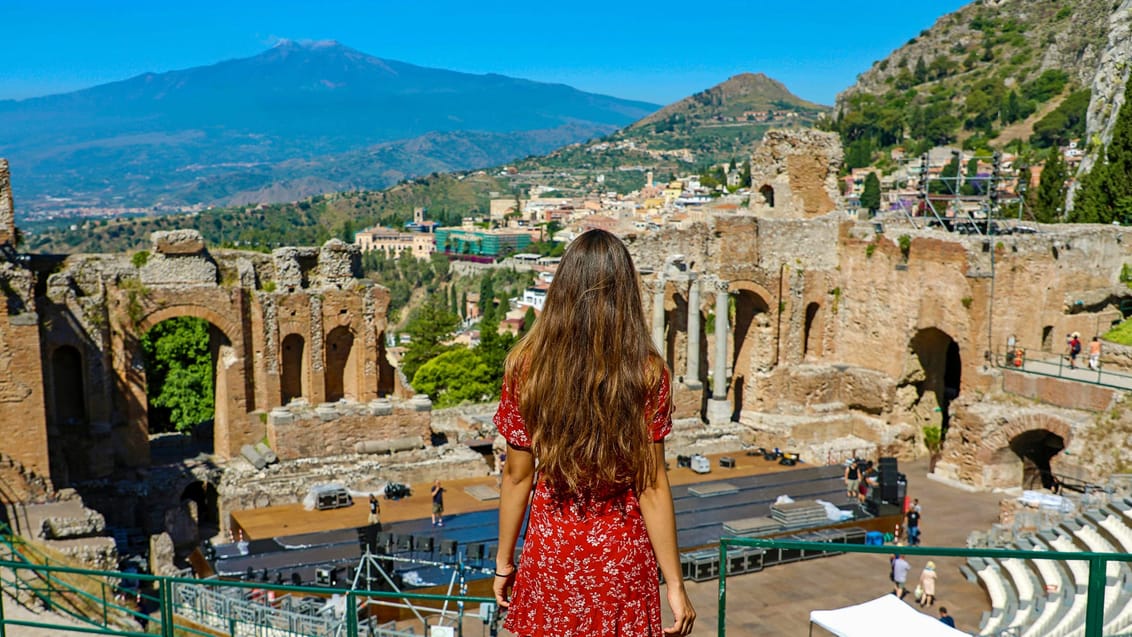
(585, 408)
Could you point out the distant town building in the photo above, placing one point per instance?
(483, 243)
(393, 242)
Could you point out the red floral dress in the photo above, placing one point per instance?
(584, 573)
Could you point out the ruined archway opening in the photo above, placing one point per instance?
(750, 314)
(1036, 448)
(182, 361)
(939, 358)
(68, 398)
(808, 329)
(295, 382)
(341, 365)
(768, 195)
(203, 503)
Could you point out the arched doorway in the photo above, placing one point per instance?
(203, 503)
(768, 194)
(67, 387)
(184, 391)
(341, 365)
(808, 331)
(938, 356)
(1035, 448)
(751, 318)
(295, 382)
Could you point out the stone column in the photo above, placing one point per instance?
(692, 375)
(719, 410)
(658, 315)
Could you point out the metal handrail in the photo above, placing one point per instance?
(1005, 360)
(1094, 611)
(44, 584)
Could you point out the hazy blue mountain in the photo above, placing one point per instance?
(171, 137)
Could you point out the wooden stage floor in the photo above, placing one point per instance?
(294, 519)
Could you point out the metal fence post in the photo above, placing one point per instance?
(351, 614)
(104, 604)
(165, 598)
(1094, 611)
(722, 587)
(3, 620)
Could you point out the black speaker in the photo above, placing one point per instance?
(404, 542)
(424, 543)
(490, 552)
(887, 463)
(384, 542)
(367, 538)
(474, 551)
(448, 547)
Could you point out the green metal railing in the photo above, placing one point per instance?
(91, 597)
(1094, 612)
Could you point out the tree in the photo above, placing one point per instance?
(948, 178)
(179, 372)
(1050, 199)
(456, 376)
(870, 197)
(1106, 194)
(529, 319)
(487, 293)
(429, 326)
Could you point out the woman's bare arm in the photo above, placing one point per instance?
(518, 479)
(660, 522)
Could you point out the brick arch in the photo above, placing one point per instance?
(747, 346)
(1000, 438)
(226, 326)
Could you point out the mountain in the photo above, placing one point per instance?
(990, 74)
(170, 138)
(719, 124)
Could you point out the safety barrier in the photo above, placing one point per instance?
(1096, 564)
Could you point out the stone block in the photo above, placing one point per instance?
(339, 263)
(280, 416)
(381, 407)
(420, 402)
(180, 242)
(63, 528)
(178, 269)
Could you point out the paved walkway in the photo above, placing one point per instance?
(778, 601)
(1058, 366)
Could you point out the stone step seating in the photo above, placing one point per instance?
(1118, 528)
(1025, 585)
(1001, 596)
(1060, 591)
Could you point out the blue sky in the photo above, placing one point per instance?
(658, 51)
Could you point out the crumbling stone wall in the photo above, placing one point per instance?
(7, 210)
(794, 174)
(98, 306)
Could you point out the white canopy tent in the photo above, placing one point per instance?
(882, 617)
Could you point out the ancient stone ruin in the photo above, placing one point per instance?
(789, 324)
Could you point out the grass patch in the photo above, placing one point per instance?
(1121, 334)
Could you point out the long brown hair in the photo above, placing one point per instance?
(585, 373)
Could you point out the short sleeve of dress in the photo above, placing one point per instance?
(509, 421)
(661, 424)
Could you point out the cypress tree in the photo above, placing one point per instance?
(1051, 188)
(1106, 192)
(870, 196)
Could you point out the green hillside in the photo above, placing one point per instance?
(1010, 74)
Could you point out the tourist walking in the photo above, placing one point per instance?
(927, 585)
(1095, 353)
(374, 511)
(912, 525)
(587, 399)
(437, 504)
(946, 618)
(1074, 349)
(900, 569)
(852, 478)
